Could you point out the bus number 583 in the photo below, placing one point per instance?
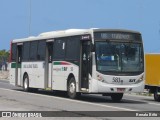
(117, 80)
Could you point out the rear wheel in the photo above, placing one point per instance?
(71, 88)
(116, 97)
(156, 96)
(26, 87)
(26, 83)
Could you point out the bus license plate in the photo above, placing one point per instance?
(120, 89)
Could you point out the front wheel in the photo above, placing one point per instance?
(116, 97)
(156, 95)
(71, 89)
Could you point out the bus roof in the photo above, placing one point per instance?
(68, 32)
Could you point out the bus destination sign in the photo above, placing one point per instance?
(116, 36)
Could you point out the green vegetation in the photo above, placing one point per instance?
(4, 55)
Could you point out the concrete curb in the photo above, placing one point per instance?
(4, 80)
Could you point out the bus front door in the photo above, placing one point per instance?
(85, 59)
(18, 65)
(48, 65)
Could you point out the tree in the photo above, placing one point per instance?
(4, 55)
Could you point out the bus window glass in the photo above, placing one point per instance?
(14, 50)
(26, 48)
(59, 49)
(33, 50)
(120, 57)
(72, 50)
(41, 50)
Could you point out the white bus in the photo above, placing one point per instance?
(92, 61)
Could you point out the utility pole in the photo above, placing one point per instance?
(159, 28)
(30, 16)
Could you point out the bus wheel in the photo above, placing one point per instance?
(71, 88)
(156, 96)
(26, 83)
(116, 97)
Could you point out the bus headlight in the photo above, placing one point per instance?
(100, 78)
(139, 80)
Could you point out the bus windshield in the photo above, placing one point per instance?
(119, 57)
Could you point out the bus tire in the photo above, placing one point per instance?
(116, 97)
(71, 88)
(156, 96)
(26, 83)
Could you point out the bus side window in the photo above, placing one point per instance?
(72, 49)
(33, 50)
(26, 49)
(41, 50)
(14, 52)
(59, 49)
(19, 48)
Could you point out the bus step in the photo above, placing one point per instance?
(84, 89)
(48, 88)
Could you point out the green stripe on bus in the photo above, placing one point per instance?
(57, 63)
(14, 65)
(61, 63)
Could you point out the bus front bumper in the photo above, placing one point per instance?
(113, 88)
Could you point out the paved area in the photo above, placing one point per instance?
(14, 99)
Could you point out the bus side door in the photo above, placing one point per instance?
(48, 64)
(18, 65)
(85, 65)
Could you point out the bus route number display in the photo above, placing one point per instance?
(116, 36)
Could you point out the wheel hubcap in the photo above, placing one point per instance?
(72, 87)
